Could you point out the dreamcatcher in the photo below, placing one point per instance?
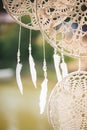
(67, 32)
(64, 25)
(67, 109)
(19, 11)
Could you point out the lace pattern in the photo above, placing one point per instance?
(67, 108)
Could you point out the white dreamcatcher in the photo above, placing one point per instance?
(19, 10)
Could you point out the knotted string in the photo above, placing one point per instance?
(79, 68)
(19, 65)
(63, 66)
(57, 59)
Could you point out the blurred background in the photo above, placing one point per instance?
(22, 112)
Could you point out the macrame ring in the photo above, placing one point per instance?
(67, 107)
(20, 9)
(69, 31)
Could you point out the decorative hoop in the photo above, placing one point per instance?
(68, 30)
(67, 107)
(21, 9)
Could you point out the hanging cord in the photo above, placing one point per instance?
(44, 87)
(79, 64)
(63, 66)
(30, 42)
(57, 58)
(44, 62)
(19, 65)
(19, 44)
(32, 64)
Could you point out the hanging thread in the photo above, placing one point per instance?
(79, 64)
(19, 66)
(32, 64)
(63, 66)
(57, 58)
(44, 85)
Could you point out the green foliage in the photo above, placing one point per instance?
(9, 44)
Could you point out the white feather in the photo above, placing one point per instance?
(56, 65)
(18, 77)
(43, 95)
(64, 69)
(32, 70)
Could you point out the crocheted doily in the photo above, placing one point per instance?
(23, 12)
(64, 25)
(67, 108)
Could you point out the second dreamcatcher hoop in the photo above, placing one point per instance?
(65, 28)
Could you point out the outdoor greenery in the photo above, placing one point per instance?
(9, 44)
